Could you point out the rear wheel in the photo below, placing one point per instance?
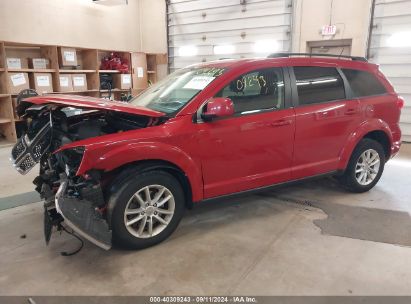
(147, 209)
(365, 166)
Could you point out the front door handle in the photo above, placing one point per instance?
(351, 111)
(281, 122)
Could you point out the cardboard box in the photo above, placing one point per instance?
(79, 82)
(18, 82)
(17, 63)
(42, 82)
(68, 56)
(39, 63)
(66, 83)
(122, 81)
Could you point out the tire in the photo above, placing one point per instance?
(358, 176)
(131, 194)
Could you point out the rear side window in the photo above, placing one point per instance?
(318, 84)
(363, 83)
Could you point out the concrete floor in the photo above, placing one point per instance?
(266, 244)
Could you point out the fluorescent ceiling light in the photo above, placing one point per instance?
(224, 49)
(266, 46)
(111, 2)
(187, 51)
(400, 39)
(324, 81)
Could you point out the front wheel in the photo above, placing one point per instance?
(365, 166)
(147, 209)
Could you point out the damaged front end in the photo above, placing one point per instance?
(70, 200)
(83, 213)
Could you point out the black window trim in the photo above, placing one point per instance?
(347, 84)
(287, 96)
(295, 98)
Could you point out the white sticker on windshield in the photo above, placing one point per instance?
(198, 82)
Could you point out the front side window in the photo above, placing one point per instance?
(256, 91)
(177, 89)
(363, 83)
(318, 84)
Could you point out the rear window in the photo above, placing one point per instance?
(363, 83)
(318, 84)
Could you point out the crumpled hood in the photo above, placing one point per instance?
(93, 103)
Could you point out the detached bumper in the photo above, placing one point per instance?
(81, 216)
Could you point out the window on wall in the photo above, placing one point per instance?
(318, 84)
(363, 83)
(256, 91)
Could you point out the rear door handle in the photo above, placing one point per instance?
(281, 122)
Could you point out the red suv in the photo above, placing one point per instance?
(125, 172)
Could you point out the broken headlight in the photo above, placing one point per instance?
(30, 148)
(70, 159)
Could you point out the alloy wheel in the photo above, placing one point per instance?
(149, 211)
(367, 167)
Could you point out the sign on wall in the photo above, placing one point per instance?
(328, 30)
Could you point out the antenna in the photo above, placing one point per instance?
(341, 51)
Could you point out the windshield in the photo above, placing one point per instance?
(177, 89)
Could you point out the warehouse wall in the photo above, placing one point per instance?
(153, 26)
(352, 18)
(84, 24)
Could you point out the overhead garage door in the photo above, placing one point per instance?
(201, 30)
(390, 46)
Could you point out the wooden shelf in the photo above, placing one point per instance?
(6, 143)
(21, 46)
(5, 120)
(88, 63)
(76, 71)
(33, 70)
(116, 90)
(74, 92)
(109, 71)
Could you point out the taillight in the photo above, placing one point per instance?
(400, 102)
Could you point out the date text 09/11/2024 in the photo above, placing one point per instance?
(203, 299)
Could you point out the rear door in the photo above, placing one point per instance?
(325, 117)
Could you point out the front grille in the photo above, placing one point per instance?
(26, 163)
(18, 149)
(25, 155)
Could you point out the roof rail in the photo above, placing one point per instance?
(354, 58)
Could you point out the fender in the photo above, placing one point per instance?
(359, 133)
(124, 154)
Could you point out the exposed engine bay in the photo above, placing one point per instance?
(76, 200)
(50, 127)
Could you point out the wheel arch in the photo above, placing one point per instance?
(147, 155)
(376, 130)
(119, 174)
(382, 138)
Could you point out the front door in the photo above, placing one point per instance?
(254, 147)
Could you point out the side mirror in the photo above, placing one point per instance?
(218, 107)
